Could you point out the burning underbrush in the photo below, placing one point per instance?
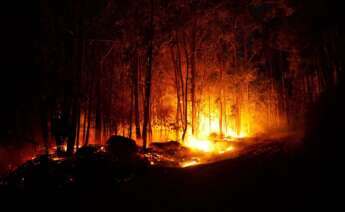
(92, 165)
(119, 161)
(190, 153)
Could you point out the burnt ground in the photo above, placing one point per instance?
(270, 176)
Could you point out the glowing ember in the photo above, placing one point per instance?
(230, 148)
(57, 158)
(189, 163)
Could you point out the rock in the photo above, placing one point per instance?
(89, 151)
(170, 145)
(122, 148)
(170, 148)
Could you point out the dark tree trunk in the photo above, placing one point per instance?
(87, 134)
(177, 92)
(148, 77)
(77, 66)
(44, 125)
(193, 80)
(221, 103)
(185, 105)
(98, 124)
(135, 82)
(131, 113)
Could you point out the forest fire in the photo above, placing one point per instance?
(172, 105)
(214, 133)
(208, 147)
(209, 141)
(194, 150)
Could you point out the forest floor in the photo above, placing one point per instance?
(269, 175)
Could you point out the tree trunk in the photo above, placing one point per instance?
(84, 124)
(238, 111)
(135, 82)
(177, 93)
(44, 125)
(186, 91)
(131, 113)
(98, 124)
(221, 99)
(193, 79)
(148, 77)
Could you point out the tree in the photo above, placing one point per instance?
(148, 74)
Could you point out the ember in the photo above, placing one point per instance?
(192, 162)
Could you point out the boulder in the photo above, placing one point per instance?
(167, 145)
(121, 147)
(89, 151)
(171, 148)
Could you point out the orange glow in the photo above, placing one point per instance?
(209, 140)
(230, 148)
(190, 163)
(208, 146)
(209, 124)
(198, 144)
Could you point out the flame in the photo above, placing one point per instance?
(209, 141)
(208, 146)
(198, 144)
(209, 124)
